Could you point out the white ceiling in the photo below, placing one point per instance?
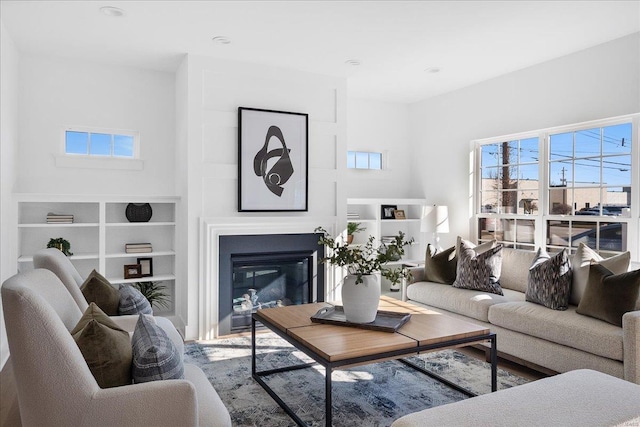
(395, 41)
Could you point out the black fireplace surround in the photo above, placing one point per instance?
(266, 270)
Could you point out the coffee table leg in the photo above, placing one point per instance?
(327, 397)
(494, 364)
(253, 347)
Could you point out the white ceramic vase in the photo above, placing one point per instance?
(360, 301)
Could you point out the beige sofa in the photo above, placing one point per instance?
(577, 398)
(560, 341)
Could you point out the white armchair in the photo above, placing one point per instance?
(56, 387)
(54, 260)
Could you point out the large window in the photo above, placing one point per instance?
(559, 187)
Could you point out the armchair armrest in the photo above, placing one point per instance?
(127, 322)
(157, 403)
(631, 346)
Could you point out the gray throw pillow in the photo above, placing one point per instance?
(105, 347)
(96, 288)
(479, 271)
(580, 265)
(132, 301)
(155, 356)
(609, 296)
(549, 281)
(440, 267)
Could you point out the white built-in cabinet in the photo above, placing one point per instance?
(98, 236)
(370, 215)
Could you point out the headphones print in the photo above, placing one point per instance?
(281, 171)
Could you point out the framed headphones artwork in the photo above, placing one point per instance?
(273, 160)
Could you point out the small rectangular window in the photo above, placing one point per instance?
(101, 143)
(364, 160)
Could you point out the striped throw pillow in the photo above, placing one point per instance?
(132, 301)
(155, 356)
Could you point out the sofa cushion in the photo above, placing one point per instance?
(479, 270)
(106, 348)
(562, 327)
(474, 304)
(96, 288)
(549, 281)
(515, 268)
(155, 356)
(440, 266)
(608, 296)
(132, 301)
(580, 265)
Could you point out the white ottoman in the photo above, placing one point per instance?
(577, 398)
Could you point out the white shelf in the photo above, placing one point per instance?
(72, 225)
(29, 258)
(139, 224)
(140, 254)
(158, 278)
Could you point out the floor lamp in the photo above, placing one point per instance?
(435, 219)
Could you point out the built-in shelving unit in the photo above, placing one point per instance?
(98, 236)
(369, 214)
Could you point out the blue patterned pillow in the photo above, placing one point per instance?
(479, 271)
(132, 301)
(549, 282)
(155, 356)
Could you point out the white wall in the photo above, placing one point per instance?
(56, 93)
(600, 82)
(8, 147)
(380, 127)
(209, 94)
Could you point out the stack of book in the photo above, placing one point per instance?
(53, 218)
(137, 248)
(353, 215)
(387, 240)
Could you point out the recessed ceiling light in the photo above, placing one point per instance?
(432, 70)
(221, 39)
(111, 11)
(353, 62)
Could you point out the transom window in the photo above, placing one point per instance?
(120, 144)
(560, 187)
(364, 160)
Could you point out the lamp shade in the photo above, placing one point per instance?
(435, 219)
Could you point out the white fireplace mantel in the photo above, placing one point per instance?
(212, 228)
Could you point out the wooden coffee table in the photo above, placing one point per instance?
(335, 346)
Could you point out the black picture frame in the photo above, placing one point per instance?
(386, 211)
(273, 160)
(146, 266)
(132, 271)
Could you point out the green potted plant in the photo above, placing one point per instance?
(361, 287)
(154, 292)
(353, 228)
(62, 244)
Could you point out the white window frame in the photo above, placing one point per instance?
(542, 216)
(382, 160)
(94, 161)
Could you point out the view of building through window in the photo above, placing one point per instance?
(587, 188)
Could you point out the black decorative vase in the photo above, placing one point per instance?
(138, 212)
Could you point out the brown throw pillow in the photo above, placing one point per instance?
(608, 296)
(580, 265)
(98, 289)
(440, 267)
(105, 347)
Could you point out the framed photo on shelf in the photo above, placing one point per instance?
(146, 266)
(399, 214)
(273, 159)
(386, 211)
(132, 271)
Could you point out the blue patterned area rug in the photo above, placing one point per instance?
(372, 395)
